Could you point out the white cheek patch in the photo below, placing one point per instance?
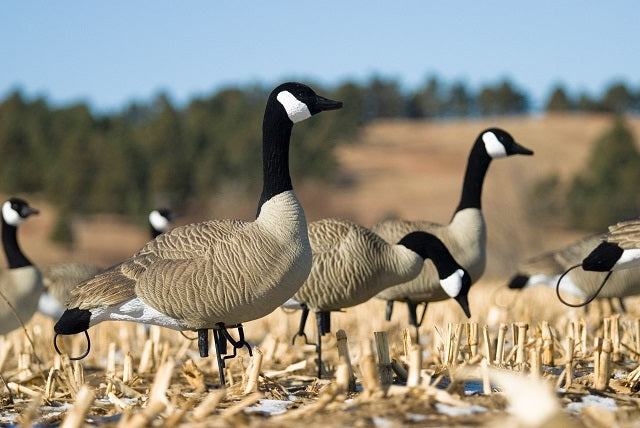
(158, 221)
(10, 215)
(296, 109)
(453, 283)
(493, 146)
(628, 259)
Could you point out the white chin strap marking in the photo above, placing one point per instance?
(493, 146)
(10, 215)
(453, 283)
(158, 221)
(296, 109)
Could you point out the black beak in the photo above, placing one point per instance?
(464, 303)
(517, 149)
(26, 211)
(323, 104)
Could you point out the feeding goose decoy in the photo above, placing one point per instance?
(60, 278)
(546, 270)
(612, 259)
(464, 236)
(21, 283)
(351, 264)
(216, 274)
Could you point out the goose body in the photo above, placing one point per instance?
(351, 264)
(21, 283)
(60, 278)
(464, 236)
(225, 272)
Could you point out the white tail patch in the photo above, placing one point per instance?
(296, 109)
(493, 146)
(453, 283)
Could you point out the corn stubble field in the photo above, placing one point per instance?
(522, 360)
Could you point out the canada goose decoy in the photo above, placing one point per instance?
(351, 264)
(60, 278)
(464, 236)
(614, 260)
(21, 283)
(561, 267)
(216, 274)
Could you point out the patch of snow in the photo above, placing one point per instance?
(593, 400)
(382, 422)
(269, 407)
(459, 411)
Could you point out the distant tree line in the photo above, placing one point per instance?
(603, 192)
(123, 162)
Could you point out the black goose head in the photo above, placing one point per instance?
(454, 279)
(499, 143)
(457, 286)
(15, 211)
(160, 219)
(299, 102)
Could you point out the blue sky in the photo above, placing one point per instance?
(110, 52)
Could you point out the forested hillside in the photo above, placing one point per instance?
(159, 153)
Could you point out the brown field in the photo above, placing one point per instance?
(407, 169)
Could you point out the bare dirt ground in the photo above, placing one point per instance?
(408, 169)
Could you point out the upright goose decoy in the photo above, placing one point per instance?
(351, 264)
(216, 274)
(60, 278)
(464, 236)
(21, 283)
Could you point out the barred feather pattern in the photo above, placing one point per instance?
(226, 271)
(557, 261)
(351, 264)
(465, 237)
(60, 278)
(22, 287)
(626, 234)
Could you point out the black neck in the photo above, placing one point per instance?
(428, 246)
(276, 133)
(154, 232)
(477, 166)
(15, 257)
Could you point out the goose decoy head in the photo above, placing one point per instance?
(499, 143)
(300, 102)
(160, 219)
(603, 258)
(457, 286)
(16, 210)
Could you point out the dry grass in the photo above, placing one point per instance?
(156, 377)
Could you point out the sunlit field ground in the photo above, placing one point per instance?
(137, 376)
